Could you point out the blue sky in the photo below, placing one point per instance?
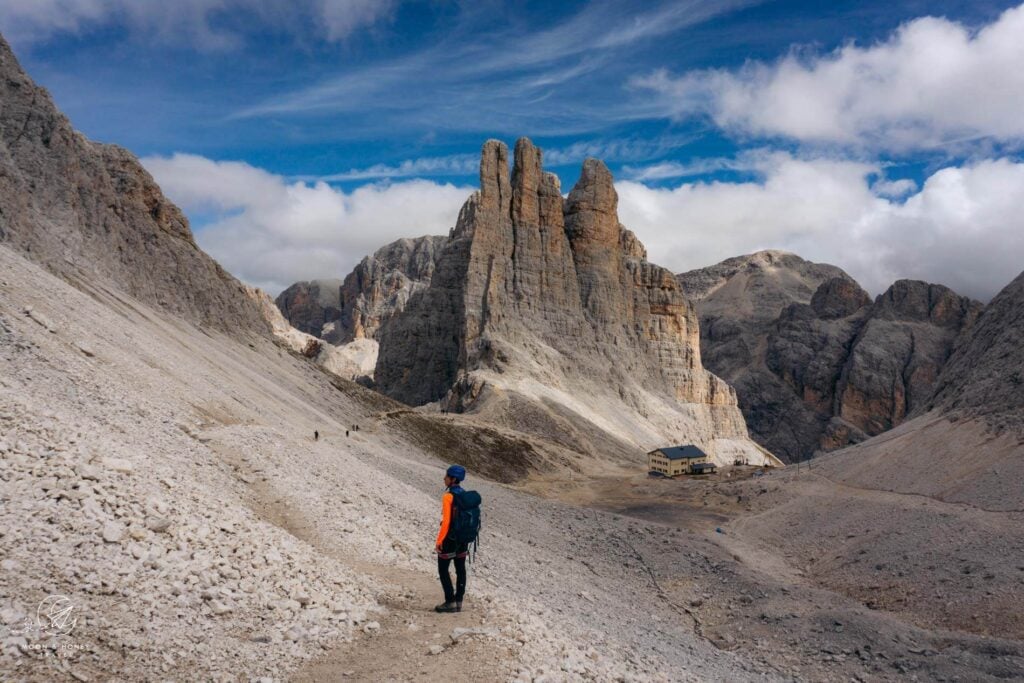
(880, 136)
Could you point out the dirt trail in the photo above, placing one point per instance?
(412, 642)
(401, 649)
(758, 560)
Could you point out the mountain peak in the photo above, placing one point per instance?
(535, 290)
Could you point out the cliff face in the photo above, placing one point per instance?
(380, 286)
(984, 378)
(90, 212)
(829, 367)
(550, 305)
(377, 288)
(965, 442)
(309, 305)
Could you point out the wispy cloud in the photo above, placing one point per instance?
(465, 164)
(666, 170)
(200, 23)
(620, 150)
(450, 165)
(571, 75)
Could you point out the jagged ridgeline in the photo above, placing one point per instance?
(816, 363)
(543, 312)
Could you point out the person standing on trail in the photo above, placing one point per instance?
(460, 524)
(316, 435)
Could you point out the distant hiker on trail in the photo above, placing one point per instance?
(460, 525)
(316, 435)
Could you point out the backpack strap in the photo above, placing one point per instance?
(476, 541)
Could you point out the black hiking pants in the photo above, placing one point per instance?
(450, 551)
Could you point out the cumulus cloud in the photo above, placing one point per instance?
(963, 228)
(933, 82)
(196, 22)
(894, 188)
(270, 232)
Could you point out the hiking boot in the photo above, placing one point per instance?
(448, 607)
(458, 606)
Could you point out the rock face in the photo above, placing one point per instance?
(964, 443)
(351, 361)
(756, 286)
(816, 364)
(309, 305)
(380, 286)
(984, 378)
(90, 213)
(544, 312)
(342, 311)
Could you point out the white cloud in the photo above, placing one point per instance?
(931, 83)
(894, 188)
(664, 170)
(342, 17)
(454, 164)
(963, 228)
(192, 21)
(270, 232)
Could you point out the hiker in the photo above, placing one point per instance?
(460, 524)
(316, 435)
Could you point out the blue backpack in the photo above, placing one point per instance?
(465, 528)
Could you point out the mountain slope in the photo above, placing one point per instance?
(966, 444)
(89, 211)
(924, 520)
(167, 482)
(815, 363)
(984, 377)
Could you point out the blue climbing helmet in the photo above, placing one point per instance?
(457, 472)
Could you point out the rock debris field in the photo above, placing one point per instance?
(165, 481)
(150, 474)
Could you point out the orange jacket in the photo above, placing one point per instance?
(446, 516)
